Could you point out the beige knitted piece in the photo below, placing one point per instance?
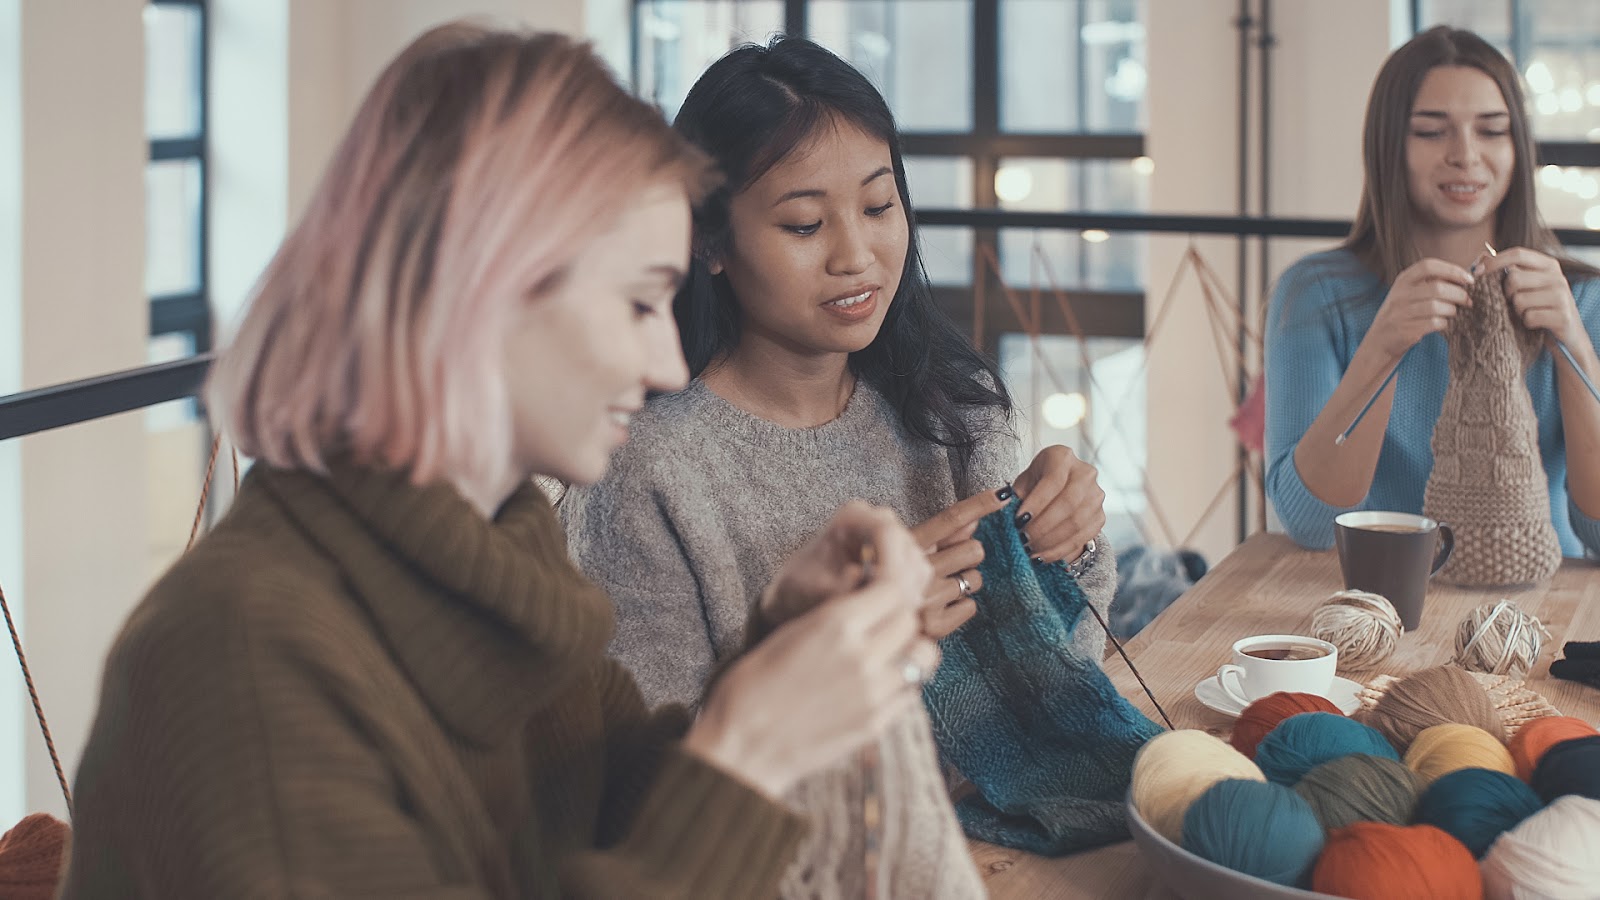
(1488, 481)
(922, 854)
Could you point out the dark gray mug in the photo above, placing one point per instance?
(1393, 554)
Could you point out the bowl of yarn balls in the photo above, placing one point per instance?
(1424, 796)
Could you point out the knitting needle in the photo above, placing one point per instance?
(1345, 435)
(1560, 345)
(871, 805)
(1578, 370)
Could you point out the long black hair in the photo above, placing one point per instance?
(749, 111)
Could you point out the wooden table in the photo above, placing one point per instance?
(1269, 586)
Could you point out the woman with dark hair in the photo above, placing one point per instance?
(1449, 164)
(822, 371)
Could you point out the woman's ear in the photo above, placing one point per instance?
(707, 253)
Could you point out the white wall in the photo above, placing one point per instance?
(12, 736)
(337, 49)
(1322, 68)
(80, 258)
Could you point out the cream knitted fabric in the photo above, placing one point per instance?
(1488, 481)
(921, 851)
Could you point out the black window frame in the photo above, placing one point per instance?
(1579, 154)
(1100, 313)
(189, 312)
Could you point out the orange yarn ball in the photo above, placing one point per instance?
(1529, 744)
(1264, 715)
(1378, 861)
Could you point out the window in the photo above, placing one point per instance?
(1002, 104)
(175, 177)
(1555, 45)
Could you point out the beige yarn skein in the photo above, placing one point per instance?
(1500, 639)
(1364, 626)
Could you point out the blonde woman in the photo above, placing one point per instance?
(380, 676)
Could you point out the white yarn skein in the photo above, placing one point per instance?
(1364, 626)
(1500, 639)
(1553, 855)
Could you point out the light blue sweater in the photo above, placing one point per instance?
(1320, 311)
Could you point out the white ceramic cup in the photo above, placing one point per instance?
(1249, 678)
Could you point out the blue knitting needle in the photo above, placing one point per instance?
(1345, 435)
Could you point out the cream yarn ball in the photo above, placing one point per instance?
(1553, 855)
(1174, 768)
(1364, 626)
(1500, 639)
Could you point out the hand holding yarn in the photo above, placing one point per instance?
(1500, 639)
(1364, 626)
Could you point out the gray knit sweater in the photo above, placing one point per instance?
(706, 501)
(695, 516)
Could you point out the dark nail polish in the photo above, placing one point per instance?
(1025, 540)
(1005, 493)
(1038, 560)
(1024, 519)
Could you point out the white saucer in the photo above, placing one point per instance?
(1344, 693)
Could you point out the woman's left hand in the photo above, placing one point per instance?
(1539, 292)
(1063, 507)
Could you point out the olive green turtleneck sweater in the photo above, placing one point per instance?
(358, 688)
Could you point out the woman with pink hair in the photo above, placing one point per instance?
(380, 675)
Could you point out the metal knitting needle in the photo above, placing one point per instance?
(1345, 435)
(1578, 370)
(1560, 345)
(871, 803)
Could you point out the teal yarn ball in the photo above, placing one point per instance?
(1255, 827)
(1475, 806)
(1303, 742)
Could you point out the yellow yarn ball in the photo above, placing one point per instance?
(1174, 768)
(1443, 749)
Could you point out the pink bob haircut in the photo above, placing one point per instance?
(481, 162)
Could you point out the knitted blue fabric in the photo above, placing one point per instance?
(1041, 733)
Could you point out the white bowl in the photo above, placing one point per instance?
(1195, 878)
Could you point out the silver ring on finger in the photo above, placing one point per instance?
(911, 673)
(963, 584)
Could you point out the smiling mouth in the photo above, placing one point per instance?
(1462, 189)
(853, 300)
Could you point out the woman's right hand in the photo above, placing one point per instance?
(947, 538)
(828, 680)
(1422, 300)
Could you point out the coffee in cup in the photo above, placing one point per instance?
(1393, 554)
(1267, 663)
